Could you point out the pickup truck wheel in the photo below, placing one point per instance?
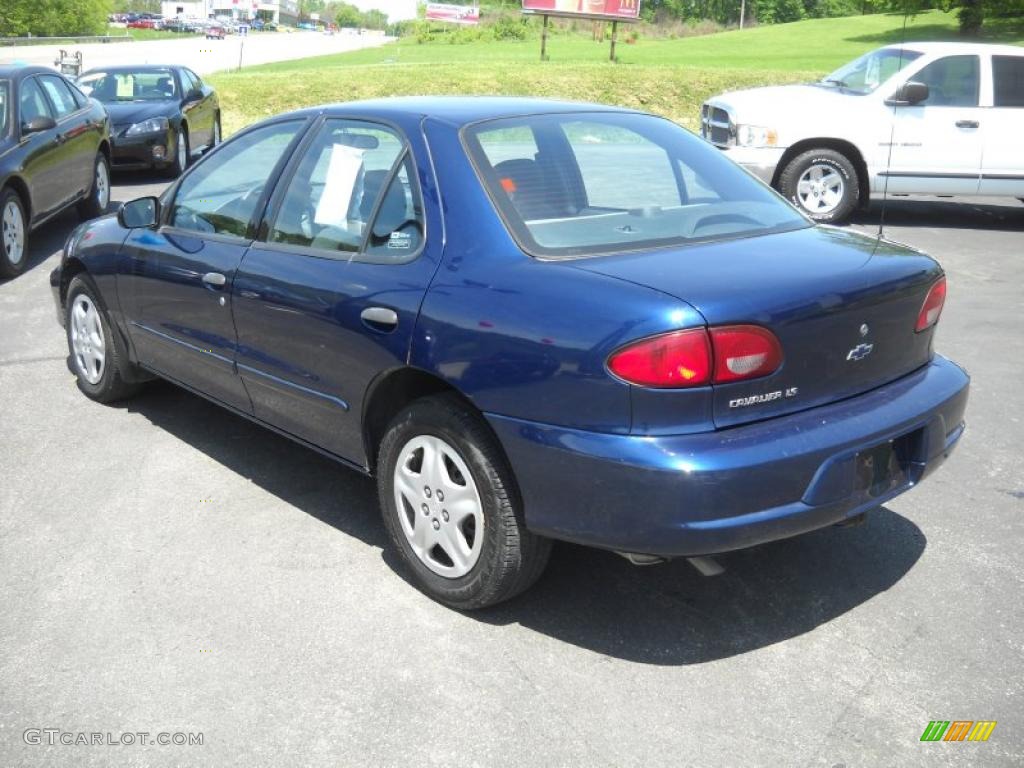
(13, 234)
(450, 507)
(823, 184)
(96, 359)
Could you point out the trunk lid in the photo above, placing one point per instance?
(842, 306)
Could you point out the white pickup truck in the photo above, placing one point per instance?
(921, 118)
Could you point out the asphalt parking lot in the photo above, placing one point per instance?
(169, 567)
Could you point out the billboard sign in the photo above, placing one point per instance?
(611, 9)
(457, 14)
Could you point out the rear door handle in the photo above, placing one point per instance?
(967, 124)
(215, 279)
(379, 318)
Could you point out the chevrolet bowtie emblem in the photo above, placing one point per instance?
(860, 352)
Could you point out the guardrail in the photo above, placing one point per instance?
(12, 41)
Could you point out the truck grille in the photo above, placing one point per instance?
(715, 126)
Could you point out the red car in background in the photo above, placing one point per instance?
(215, 33)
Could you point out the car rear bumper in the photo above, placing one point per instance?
(734, 488)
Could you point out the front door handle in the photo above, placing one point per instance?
(967, 124)
(379, 318)
(215, 279)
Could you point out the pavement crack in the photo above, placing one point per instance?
(29, 360)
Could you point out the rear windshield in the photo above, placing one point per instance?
(582, 184)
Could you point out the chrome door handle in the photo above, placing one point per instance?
(967, 124)
(379, 318)
(215, 279)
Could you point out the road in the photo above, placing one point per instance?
(168, 567)
(202, 55)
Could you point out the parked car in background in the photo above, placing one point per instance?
(215, 32)
(918, 119)
(161, 115)
(142, 23)
(54, 153)
(561, 321)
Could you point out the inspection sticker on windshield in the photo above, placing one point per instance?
(399, 240)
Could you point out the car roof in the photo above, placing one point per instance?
(953, 47)
(18, 71)
(456, 110)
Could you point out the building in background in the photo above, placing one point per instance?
(277, 11)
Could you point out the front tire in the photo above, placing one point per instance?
(13, 234)
(100, 365)
(99, 196)
(181, 155)
(823, 184)
(451, 507)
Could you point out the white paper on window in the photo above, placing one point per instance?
(343, 183)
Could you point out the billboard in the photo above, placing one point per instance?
(457, 14)
(614, 9)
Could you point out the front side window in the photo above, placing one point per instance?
(1008, 79)
(32, 103)
(865, 74)
(612, 182)
(352, 172)
(952, 81)
(221, 194)
(144, 85)
(4, 108)
(60, 95)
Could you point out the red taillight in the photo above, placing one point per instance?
(932, 307)
(744, 352)
(677, 359)
(695, 357)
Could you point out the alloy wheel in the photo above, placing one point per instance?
(87, 340)
(13, 227)
(820, 189)
(438, 506)
(102, 185)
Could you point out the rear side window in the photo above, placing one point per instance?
(4, 107)
(352, 174)
(1008, 78)
(582, 184)
(60, 95)
(32, 103)
(953, 81)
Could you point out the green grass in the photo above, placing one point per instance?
(668, 77)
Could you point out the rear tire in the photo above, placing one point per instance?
(496, 557)
(96, 357)
(13, 234)
(823, 184)
(99, 196)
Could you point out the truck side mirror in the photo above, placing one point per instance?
(910, 93)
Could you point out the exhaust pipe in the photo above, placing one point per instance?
(706, 566)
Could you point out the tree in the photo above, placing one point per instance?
(51, 18)
(970, 13)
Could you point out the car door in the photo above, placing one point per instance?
(75, 136)
(329, 297)
(41, 167)
(937, 143)
(1002, 164)
(176, 280)
(209, 106)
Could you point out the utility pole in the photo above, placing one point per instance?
(743, 10)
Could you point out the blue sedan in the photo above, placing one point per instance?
(530, 320)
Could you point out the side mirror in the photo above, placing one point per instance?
(136, 214)
(37, 124)
(910, 93)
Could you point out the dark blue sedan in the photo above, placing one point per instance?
(530, 320)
